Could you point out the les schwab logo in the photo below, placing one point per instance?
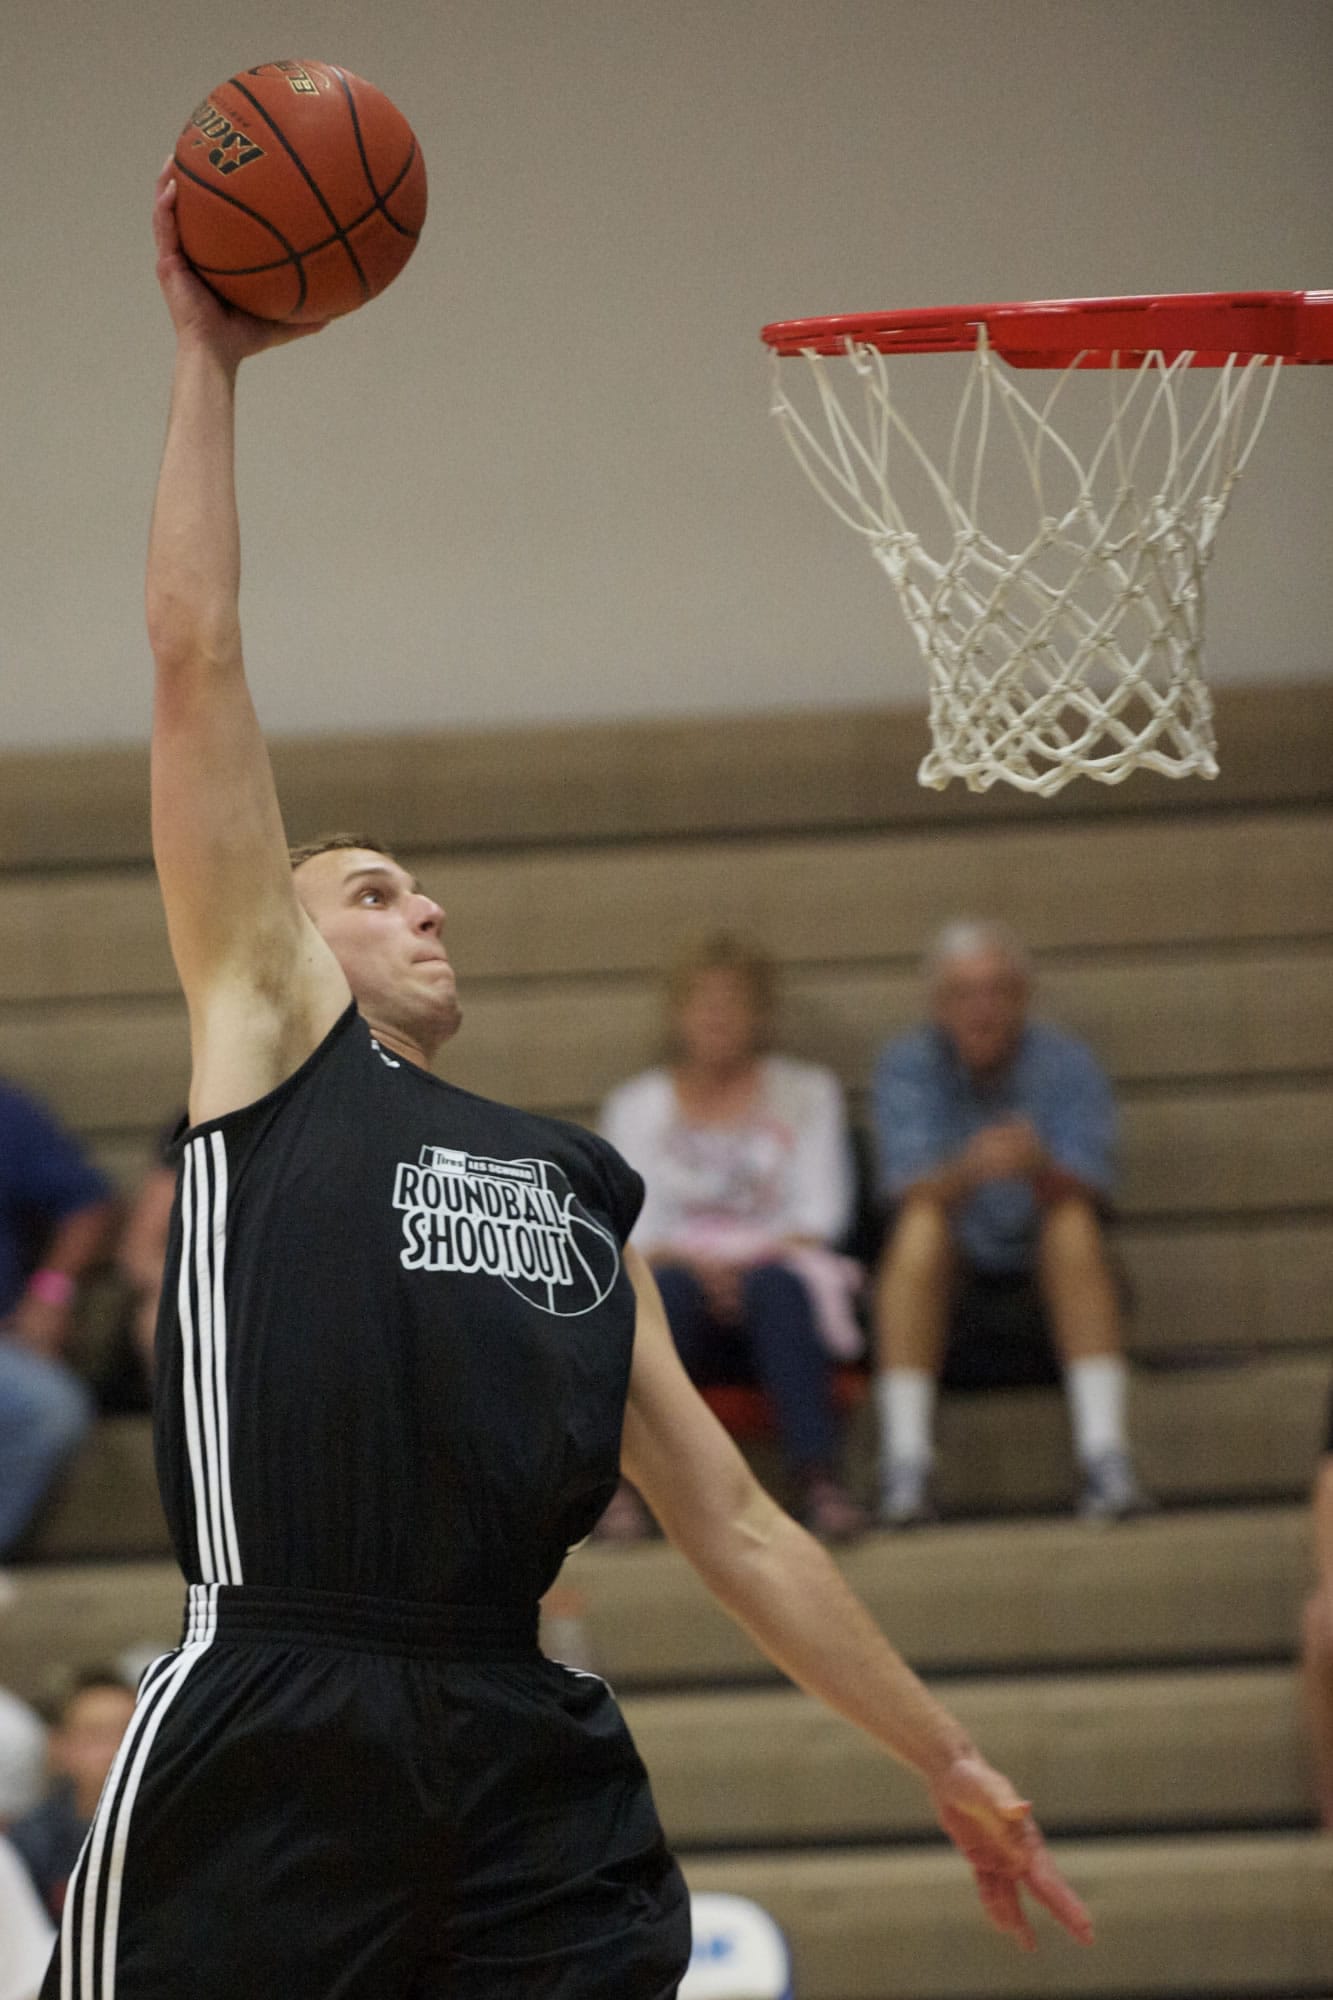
(517, 1220)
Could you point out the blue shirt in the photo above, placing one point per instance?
(44, 1178)
(927, 1106)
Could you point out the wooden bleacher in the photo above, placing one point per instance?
(1139, 1681)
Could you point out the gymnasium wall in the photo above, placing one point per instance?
(537, 481)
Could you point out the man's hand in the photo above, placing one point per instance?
(1007, 1151)
(197, 313)
(995, 1832)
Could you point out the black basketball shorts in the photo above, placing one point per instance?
(328, 1798)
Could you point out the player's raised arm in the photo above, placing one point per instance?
(780, 1584)
(262, 986)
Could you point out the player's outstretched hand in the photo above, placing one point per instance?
(995, 1831)
(196, 312)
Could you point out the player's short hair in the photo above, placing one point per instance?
(965, 937)
(329, 843)
(722, 951)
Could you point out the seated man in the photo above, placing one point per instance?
(1317, 1647)
(995, 1135)
(55, 1202)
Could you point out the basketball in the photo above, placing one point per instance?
(300, 191)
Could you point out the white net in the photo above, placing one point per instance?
(1063, 636)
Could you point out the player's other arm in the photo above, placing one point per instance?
(781, 1585)
(262, 986)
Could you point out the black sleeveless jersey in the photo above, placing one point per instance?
(395, 1336)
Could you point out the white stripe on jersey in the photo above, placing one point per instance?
(111, 1823)
(228, 1523)
(202, 1308)
(189, 1392)
(204, 1224)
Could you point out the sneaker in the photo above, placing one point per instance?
(1111, 1491)
(905, 1498)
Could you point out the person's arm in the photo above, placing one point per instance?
(823, 1182)
(915, 1160)
(630, 1122)
(69, 1201)
(143, 1252)
(1077, 1154)
(914, 1157)
(45, 1313)
(780, 1584)
(261, 985)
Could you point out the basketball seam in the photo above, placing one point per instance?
(404, 170)
(293, 256)
(254, 270)
(339, 233)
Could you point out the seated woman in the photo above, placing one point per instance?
(748, 1169)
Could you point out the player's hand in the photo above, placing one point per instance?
(995, 1832)
(196, 312)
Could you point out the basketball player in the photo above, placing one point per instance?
(400, 1339)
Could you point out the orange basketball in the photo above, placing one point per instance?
(300, 190)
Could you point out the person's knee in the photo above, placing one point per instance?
(1071, 1244)
(920, 1246)
(1071, 1229)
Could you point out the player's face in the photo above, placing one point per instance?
(981, 1003)
(717, 1022)
(387, 935)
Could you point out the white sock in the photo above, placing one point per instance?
(906, 1401)
(1096, 1389)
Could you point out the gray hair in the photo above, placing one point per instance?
(966, 937)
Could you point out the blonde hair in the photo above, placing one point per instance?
(721, 951)
(329, 842)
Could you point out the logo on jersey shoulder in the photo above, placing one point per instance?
(519, 1220)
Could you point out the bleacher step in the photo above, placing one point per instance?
(1223, 1915)
(1150, 1751)
(1243, 1430)
(1176, 1587)
(1215, 1586)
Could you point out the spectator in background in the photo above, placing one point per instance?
(26, 1933)
(89, 1721)
(748, 1170)
(1317, 1646)
(22, 1757)
(56, 1214)
(142, 1253)
(996, 1136)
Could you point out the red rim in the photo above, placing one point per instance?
(1095, 333)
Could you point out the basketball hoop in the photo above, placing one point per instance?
(1063, 637)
